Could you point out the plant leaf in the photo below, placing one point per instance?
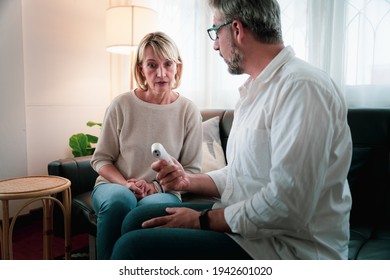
(92, 138)
(90, 151)
(79, 144)
(90, 124)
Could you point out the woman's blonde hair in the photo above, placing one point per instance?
(165, 48)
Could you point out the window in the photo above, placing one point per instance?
(348, 39)
(367, 58)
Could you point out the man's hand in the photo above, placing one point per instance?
(172, 176)
(182, 217)
(179, 217)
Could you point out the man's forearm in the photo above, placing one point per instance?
(217, 221)
(202, 184)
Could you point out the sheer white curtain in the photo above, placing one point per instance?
(325, 33)
(367, 57)
(205, 77)
(186, 23)
(349, 39)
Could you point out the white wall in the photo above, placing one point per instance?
(54, 77)
(13, 156)
(66, 74)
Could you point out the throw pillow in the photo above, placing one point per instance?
(213, 155)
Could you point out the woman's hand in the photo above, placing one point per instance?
(149, 189)
(171, 176)
(140, 187)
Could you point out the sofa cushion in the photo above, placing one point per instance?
(82, 208)
(368, 176)
(78, 170)
(225, 124)
(368, 245)
(213, 154)
(358, 237)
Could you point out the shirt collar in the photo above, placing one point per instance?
(269, 72)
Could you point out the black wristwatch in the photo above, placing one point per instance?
(204, 219)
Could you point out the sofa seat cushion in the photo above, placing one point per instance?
(375, 249)
(367, 244)
(358, 237)
(82, 209)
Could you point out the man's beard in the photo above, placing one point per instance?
(235, 64)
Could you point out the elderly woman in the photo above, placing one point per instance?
(153, 112)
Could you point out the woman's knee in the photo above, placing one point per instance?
(113, 198)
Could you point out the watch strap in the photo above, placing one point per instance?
(158, 187)
(204, 219)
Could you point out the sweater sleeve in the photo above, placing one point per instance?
(107, 148)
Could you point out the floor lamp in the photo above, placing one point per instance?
(125, 27)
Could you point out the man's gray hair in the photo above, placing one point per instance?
(261, 17)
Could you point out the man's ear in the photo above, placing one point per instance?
(238, 31)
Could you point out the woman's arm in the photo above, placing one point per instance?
(112, 174)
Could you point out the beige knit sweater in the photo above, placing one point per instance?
(131, 126)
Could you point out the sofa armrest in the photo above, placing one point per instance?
(78, 170)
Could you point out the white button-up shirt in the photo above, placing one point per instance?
(284, 190)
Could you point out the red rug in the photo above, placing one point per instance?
(28, 241)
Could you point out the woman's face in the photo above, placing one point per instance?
(159, 73)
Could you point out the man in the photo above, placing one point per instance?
(284, 193)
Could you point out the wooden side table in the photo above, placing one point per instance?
(35, 188)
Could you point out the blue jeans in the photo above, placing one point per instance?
(112, 202)
(172, 243)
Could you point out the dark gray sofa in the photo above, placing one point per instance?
(369, 179)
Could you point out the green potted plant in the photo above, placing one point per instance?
(81, 143)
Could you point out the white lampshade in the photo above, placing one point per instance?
(126, 26)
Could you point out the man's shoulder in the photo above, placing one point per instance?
(298, 70)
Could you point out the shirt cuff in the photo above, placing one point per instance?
(219, 178)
